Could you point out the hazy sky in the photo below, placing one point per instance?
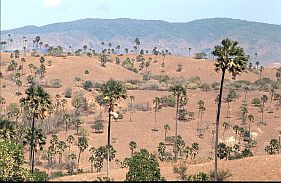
(18, 13)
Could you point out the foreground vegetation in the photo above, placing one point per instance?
(26, 125)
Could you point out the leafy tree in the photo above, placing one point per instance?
(232, 58)
(143, 167)
(11, 161)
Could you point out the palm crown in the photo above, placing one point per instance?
(113, 90)
(230, 57)
(38, 100)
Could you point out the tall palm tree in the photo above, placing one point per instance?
(179, 91)
(189, 49)
(37, 39)
(111, 91)
(166, 128)
(230, 58)
(225, 126)
(82, 145)
(137, 41)
(132, 98)
(37, 103)
(264, 99)
(261, 69)
(157, 106)
(251, 119)
(22, 61)
(257, 62)
(132, 146)
(102, 44)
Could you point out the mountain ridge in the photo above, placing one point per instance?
(201, 35)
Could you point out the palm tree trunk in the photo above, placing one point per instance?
(217, 126)
(78, 159)
(155, 120)
(31, 145)
(198, 120)
(108, 138)
(176, 149)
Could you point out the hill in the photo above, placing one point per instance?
(200, 35)
(259, 168)
(138, 129)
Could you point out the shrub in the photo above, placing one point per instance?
(88, 85)
(181, 169)
(98, 126)
(179, 68)
(162, 78)
(133, 81)
(55, 83)
(205, 87)
(222, 175)
(40, 176)
(143, 167)
(49, 63)
(142, 106)
(87, 72)
(57, 174)
(168, 101)
(68, 93)
(216, 85)
(201, 176)
(256, 102)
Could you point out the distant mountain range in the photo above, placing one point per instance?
(200, 35)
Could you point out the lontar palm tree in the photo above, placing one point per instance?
(179, 91)
(37, 103)
(230, 58)
(157, 106)
(111, 91)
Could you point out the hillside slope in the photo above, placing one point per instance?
(258, 168)
(200, 35)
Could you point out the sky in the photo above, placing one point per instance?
(19, 13)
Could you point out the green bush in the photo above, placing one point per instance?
(88, 85)
(201, 176)
(143, 167)
(98, 126)
(57, 174)
(162, 78)
(40, 176)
